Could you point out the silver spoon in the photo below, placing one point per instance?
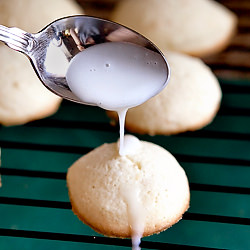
(51, 50)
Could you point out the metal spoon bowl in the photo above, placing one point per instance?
(51, 50)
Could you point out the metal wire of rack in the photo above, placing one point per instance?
(35, 212)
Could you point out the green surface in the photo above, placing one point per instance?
(34, 205)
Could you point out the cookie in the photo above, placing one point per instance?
(115, 195)
(189, 102)
(23, 97)
(195, 27)
(32, 16)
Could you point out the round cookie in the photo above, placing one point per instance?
(189, 102)
(23, 97)
(32, 16)
(195, 27)
(109, 192)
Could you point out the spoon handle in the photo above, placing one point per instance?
(16, 39)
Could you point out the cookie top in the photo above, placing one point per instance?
(189, 102)
(116, 194)
(32, 16)
(195, 27)
(23, 97)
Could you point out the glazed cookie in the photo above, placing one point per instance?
(189, 102)
(195, 27)
(146, 190)
(23, 97)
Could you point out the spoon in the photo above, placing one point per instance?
(51, 50)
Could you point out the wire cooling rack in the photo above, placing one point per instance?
(35, 212)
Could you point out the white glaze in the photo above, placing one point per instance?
(116, 76)
(122, 115)
(130, 145)
(136, 213)
(135, 210)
